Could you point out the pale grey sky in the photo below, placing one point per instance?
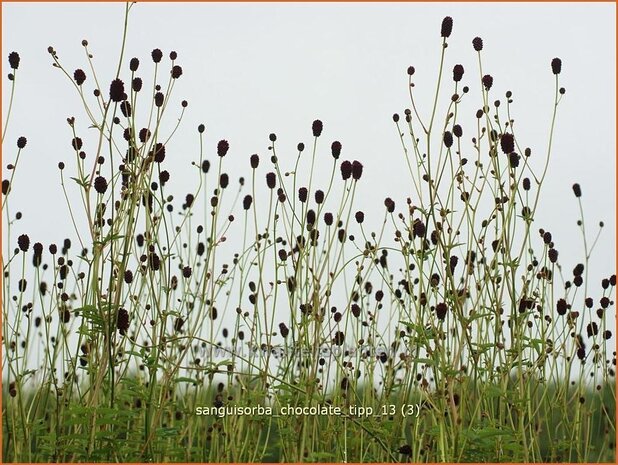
(252, 69)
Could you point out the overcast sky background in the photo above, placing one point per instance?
(253, 69)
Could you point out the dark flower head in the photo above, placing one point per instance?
(302, 194)
(76, 142)
(272, 137)
(6, 186)
(447, 27)
(136, 84)
(328, 219)
(335, 149)
(577, 190)
(477, 43)
(457, 130)
(345, 383)
(316, 127)
(561, 307)
(173, 55)
(552, 254)
(346, 170)
(79, 76)
(448, 139)
(526, 183)
(319, 196)
(189, 199)
(356, 310)
(357, 169)
(159, 153)
(159, 99)
(37, 248)
(186, 272)
(255, 161)
(176, 72)
(418, 228)
(487, 81)
(507, 143)
(224, 180)
(23, 242)
(116, 90)
(156, 55)
(514, 159)
(283, 330)
(360, 217)
(441, 310)
(222, 147)
(164, 176)
(271, 179)
(144, 135)
(458, 72)
(37, 257)
(100, 184)
(311, 217)
(14, 60)
(247, 201)
(411, 70)
(205, 166)
(556, 65)
(133, 64)
(201, 128)
(21, 142)
(395, 117)
(125, 108)
(389, 204)
(300, 147)
(122, 322)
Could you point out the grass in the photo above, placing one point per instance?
(450, 334)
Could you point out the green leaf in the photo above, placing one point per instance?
(492, 390)
(132, 352)
(427, 361)
(167, 432)
(82, 182)
(109, 238)
(492, 432)
(183, 379)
